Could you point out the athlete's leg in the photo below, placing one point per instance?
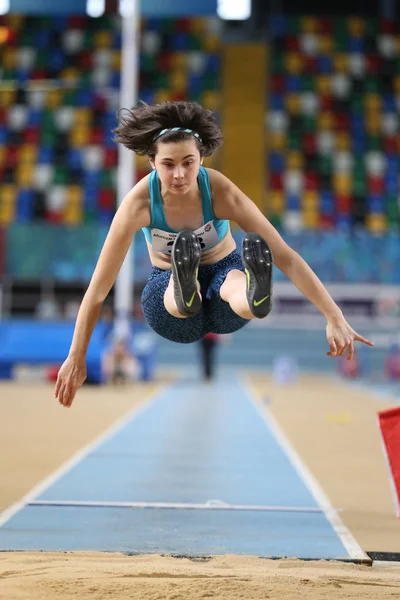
(249, 294)
(233, 291)
(184, 331)
(182, 298)
(169, 300)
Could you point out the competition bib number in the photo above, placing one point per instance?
(162, 241)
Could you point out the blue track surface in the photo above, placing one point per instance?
(195, 444)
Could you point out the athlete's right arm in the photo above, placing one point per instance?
(132, 214)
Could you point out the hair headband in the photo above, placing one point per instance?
(163, 131)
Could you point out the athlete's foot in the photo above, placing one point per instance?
(185, 260)
(258, 263)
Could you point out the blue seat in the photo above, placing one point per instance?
(293, 202)
(34, 117)
(325, 64)
(74, 158)
(278, 25)
(327, 202)
(293, 83)
(375, 203)
(276, 161)
(45, 155)
(276, 102)
(24, 205)
(356, 44)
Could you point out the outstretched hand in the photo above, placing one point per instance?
(70, 378)
(341, 338)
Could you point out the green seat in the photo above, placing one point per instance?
(293, 25)
(392, 209)
(211, 82)
(69, 98)
(324, 164)
(374, 142)
(277, 63)
(308, 83)
(294, 142)
(276, 220)
(60, 176)
(195, 42)
(308, 124)
(168, 25)
(359, 186)
(107, 180)
(372, 85)
(195, 97)
(371, 29)
(161, 82)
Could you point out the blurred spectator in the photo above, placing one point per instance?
(118, 364)
(392, 363)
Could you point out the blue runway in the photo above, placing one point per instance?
(198, 472)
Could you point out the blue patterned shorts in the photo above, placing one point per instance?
(216, 315)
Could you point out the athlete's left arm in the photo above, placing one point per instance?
(231, 203)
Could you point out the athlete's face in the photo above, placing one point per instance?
(177, 165)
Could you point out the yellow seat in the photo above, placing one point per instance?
(211, 100)
(28, 153)
(7, 98)
(72, 214)
(7, 212)
(178, 81)
(3, 154)
(54, 98)
(8, 192)
(295, 160)
(24, 174)
(340, 63)
(178, 61)
(373, 124)
(343, 141)
(396, 84)
(310, 200)
(211, 42)
(9, 58)
(15, 22)
(197, 25)
(323, 84)
(325, 44)
(372, 102)
(82, 116)
(376, 223)
(102, 39)
(70, 74)
(293, 63)
(79, 137)
(277, 140)
(116, 60)
(342, 183)
(356, 26)
(325, 121)
(311, 219)
(293, 104)
(162, 96)
(74, 195)
(276, 202)
(308, 24)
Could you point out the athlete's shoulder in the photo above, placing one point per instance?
(138, 200)
(140, 191)
(218, 181)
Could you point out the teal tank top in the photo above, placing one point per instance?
(161, 236)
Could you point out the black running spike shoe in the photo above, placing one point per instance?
(185, 260)
(258, 263)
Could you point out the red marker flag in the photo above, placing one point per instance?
(389, 425)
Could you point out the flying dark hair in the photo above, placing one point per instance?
(138, 127)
